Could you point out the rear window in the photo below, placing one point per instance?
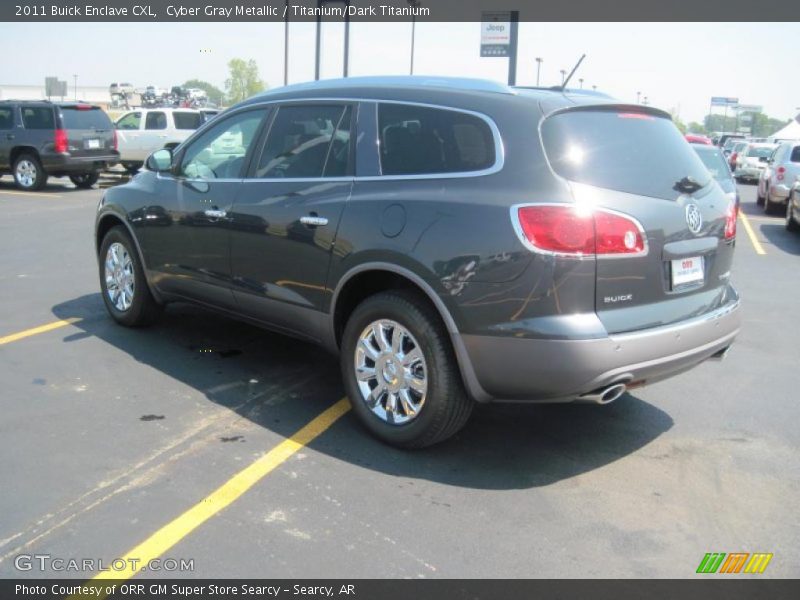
(38, 117)
(713, 160)
(760, 152)
(91, 118)
(628, 152)
(795, 154)
(187, 120)
(6, 118)
(420, 140)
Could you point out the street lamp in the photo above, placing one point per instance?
(413, 4)
(580, 80)
(638, 96)
(563, 76)
(645, 101)
(538, 69)
(75, 86)
(594, 87)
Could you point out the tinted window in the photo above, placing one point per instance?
(187, 120)
(155, 120)
(219, 152)
(795, 154)
(420, 140)
(300, 139)
(714, 161)
(6, 118)
(91, 118)
(38, 117)
(628, 152)
(130, 121)
(760, 151)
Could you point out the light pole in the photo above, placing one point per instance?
(413, 4)
(645, 101)
(286, 45)
(638, 96)
(563, 76)
(594, 88)
(580, 80)
(538, 69)
(75, 86)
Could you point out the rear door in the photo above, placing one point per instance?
(286, 216)
(7, 134)
(155, 134)
(636, 162)
(90, 132)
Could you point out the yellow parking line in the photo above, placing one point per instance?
(177, 529)
(752, 234)
(37, 330)
(31, 194)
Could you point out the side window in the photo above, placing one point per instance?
(421, 140)
(220, 151)
(155, 120)
(307, 141)
(795, 154)
(6, 117)
(130, 121)
(187, 120)
(38, 117)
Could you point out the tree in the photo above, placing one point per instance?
(243, 81)
(214, 94)
(695, 127)
(676, 118)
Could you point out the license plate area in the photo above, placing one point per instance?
(687, 272)
(91, 144)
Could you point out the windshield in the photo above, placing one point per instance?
(760, 151)
(730, 142)
(632, 152)
(714, 161)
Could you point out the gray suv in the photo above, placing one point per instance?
(452, 241)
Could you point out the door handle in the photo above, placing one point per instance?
(314, 221)
(213, 213)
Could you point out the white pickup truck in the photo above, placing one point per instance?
(142, 131)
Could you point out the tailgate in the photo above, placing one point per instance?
(89, 131)
(635, 161)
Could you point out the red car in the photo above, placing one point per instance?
(693, 138)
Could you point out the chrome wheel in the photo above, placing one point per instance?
(391, 372)
(120, 279)
(26, 173)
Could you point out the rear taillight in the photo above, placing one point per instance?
(114, 141)
(779, 173)
(734, 155)
(730, 220)
(567, 230)
(60, 142)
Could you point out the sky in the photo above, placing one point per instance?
(677, 66)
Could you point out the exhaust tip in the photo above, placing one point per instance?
(605, 395)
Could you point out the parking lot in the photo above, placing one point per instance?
(109, 435)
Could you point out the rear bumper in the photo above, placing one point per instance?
(779, 192)
(748, 172)
(65, 163)
(551, 370)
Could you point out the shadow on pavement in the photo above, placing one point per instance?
(280, 384)
(778, 236)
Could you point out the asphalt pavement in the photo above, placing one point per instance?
(109, 435)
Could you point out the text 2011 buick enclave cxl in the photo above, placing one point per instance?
(454, 241)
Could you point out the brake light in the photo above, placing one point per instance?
(733, 156)
(731, 214)
(565, 230)
(635, 115)
(779, 173)
(114, 141)
(61, 144)
(83, 106)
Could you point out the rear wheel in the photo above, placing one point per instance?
(400, 372)
(29, 174)
(791, 224)
(769, 205)
(132, 168)
(759, 197)
(85, 180)
(122, 281)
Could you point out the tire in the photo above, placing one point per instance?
(29, 175)
(85, 181)
(769, 206)
(445, 406)
(132, 168)
(141, 309)
(791, 224)
(759, 198)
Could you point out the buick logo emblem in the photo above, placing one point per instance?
(693, 218)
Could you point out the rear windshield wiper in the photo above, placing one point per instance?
(688, 185)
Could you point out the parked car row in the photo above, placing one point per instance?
(779, 177)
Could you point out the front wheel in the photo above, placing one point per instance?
(122, 281)
(400, 371)
(85, 181)
(29, 174)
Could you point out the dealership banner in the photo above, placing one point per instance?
(395, 10)
(715, 588)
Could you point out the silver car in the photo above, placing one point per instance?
(752, 160)
(783, 167)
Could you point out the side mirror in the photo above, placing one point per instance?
(160, 161)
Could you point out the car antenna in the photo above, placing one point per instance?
(563, 86)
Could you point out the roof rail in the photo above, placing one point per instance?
(462, 83)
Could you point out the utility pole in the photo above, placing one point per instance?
(286, 46)
(320, 4)
(75, 86)
(563, 75)
(638, 97)
(594, 88)
(538, 69)
(512, 48)
(413, 4)
(580, 80)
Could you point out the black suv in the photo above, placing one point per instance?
(41, 138)
(453, 241)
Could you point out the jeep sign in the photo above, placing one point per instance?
(495, 33)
